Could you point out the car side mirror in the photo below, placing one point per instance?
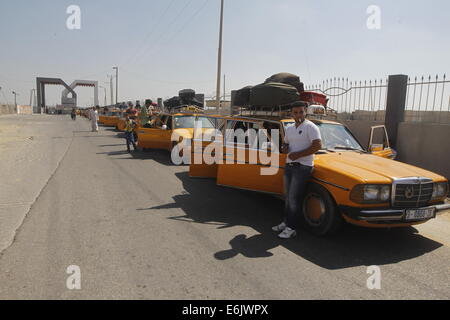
(393, 156)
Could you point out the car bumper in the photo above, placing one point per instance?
(388, 215)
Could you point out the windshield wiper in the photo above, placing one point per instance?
(325, 151)
(348, 148)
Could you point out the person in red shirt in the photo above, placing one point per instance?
(131, 111)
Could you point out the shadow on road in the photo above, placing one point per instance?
(112, 145)
(161, 156)
(207, 203)
(114, 153)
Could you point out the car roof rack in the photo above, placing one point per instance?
(186, 109)
(315, 111)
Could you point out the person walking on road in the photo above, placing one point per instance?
(94, 119)
(302, 141)
(74, 114)
(130, 125)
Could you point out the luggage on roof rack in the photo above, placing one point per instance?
(242, 96)
(273, 94)
(187, 94)
(314, 98)
(287, 78)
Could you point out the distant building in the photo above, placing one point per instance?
(225, 106)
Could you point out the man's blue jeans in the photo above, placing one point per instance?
(295, 180)
(130, 140)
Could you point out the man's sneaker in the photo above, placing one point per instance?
(287, 233)
(279, 227)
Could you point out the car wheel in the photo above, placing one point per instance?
(320, 214)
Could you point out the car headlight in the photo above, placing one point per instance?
(371, 193)
(440, 190)
(385, 193)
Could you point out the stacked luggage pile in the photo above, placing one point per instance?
(279, 90)
(186, 97)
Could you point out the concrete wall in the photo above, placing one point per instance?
(425, 145)
(7, 109)
(24, 110)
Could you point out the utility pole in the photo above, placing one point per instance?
(117, 83)
(219, 62)
(111, 88)
(106, 103)
(224, 95)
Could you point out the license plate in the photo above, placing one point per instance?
(421, 214)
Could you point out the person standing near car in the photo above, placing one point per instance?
(130, 125)
(302, 141)
(94, 119)
(73, 114)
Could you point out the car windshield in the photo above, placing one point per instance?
(288, 124)
(184, 122)
(335, 136)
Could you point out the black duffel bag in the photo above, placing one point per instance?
(287, 78)
(242, 96)
(172, 102)
(273, 94)
(187, 94)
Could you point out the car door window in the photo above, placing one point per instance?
(169, 123)
(229, 133)
(163, 120)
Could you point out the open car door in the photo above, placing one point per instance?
(249, 165)
(156, 137)
(379, 143)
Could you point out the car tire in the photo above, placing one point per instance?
(320, 214)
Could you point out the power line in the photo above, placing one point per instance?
(162, 82)
(164, 32)
(181, 30)
(93, 74)
(147, 37)
(188, 22)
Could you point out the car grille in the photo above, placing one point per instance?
(413, 195)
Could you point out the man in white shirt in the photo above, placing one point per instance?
(94, 119)
(302, 141)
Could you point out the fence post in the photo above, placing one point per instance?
(395, 105)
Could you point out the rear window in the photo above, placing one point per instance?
(184, 122)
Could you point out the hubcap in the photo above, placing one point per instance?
(313, 209)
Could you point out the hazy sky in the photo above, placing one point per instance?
(162, 46)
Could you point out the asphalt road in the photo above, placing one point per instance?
(139, 228)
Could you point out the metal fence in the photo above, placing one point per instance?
(355, 99)
(427, 98)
